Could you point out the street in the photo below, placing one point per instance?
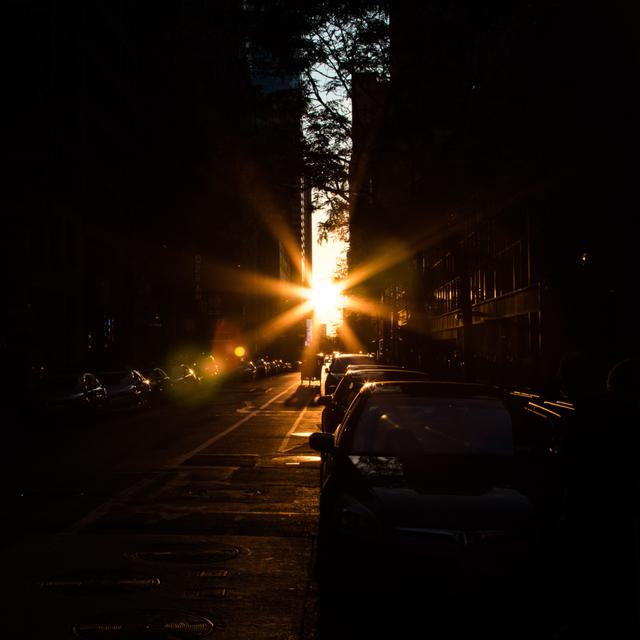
(185, 521)
(190, 518)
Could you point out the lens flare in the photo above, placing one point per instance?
(327, 300)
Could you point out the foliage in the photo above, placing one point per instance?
(324, 43)
(342, 40)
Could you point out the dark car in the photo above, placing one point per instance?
(337, 403)
(160, 385)
(64, 397)
(207, 367)
(184, 378)
(126, 388)
(438, 479)
(247, 370)
(263, 368)
(369, 365)
(333, 372)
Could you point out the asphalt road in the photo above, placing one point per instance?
(177, 522)
(194, 521)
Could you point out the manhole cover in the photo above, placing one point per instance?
(99, 583)
(185, 554)
(150, 625)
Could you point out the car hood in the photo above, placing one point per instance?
(442, 493)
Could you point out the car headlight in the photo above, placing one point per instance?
(355, 519)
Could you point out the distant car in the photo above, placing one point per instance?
(183, 378)
(126, 388)
(262, 367)
(207, 367)
(160, 385)
(333, 371)
(66, 397)
(246, 370)
(336, 404)
(439, 480)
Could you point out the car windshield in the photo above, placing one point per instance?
(396, 424)
(339, 365)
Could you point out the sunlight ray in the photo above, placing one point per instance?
(249, 281)
(365, 305)
(389, 257)
(283, 321)
(351, 342)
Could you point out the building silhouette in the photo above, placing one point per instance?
(497, 164)
(139, 165)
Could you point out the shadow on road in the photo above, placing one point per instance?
(302, 396)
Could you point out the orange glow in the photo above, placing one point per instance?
(327, 300)
(351, 342)
(324, 299)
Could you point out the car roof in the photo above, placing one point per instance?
(377, 365)
(367, 373)
(433, 387)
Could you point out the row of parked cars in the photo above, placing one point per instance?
(263, 367)
(86, 394)
(80, 396)
(454, 481)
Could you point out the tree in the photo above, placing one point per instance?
(342, 39)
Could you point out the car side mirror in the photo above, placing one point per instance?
(322, 442)
(325, 401)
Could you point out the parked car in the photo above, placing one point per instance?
(337, 403)
(66, 397)
(333, 371)
(160, 385)
(263, 368)
(183, 378)
(438, 479)
(126, 388)
(369, 365)
(207, 367)
(247, 370)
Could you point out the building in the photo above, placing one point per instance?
(506, 185)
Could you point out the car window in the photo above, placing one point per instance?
(397, 424)
(342, 389)
(91, 381)
(340, 364)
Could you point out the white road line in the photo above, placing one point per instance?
(285, 442)
(142, 484)
(233, 427)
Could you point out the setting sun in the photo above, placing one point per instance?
(327, 300)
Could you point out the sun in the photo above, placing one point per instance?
(327, 300)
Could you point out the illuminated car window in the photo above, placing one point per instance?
(340, 365)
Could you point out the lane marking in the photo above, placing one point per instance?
(142, 484)
(233, 427)
(285, 442)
